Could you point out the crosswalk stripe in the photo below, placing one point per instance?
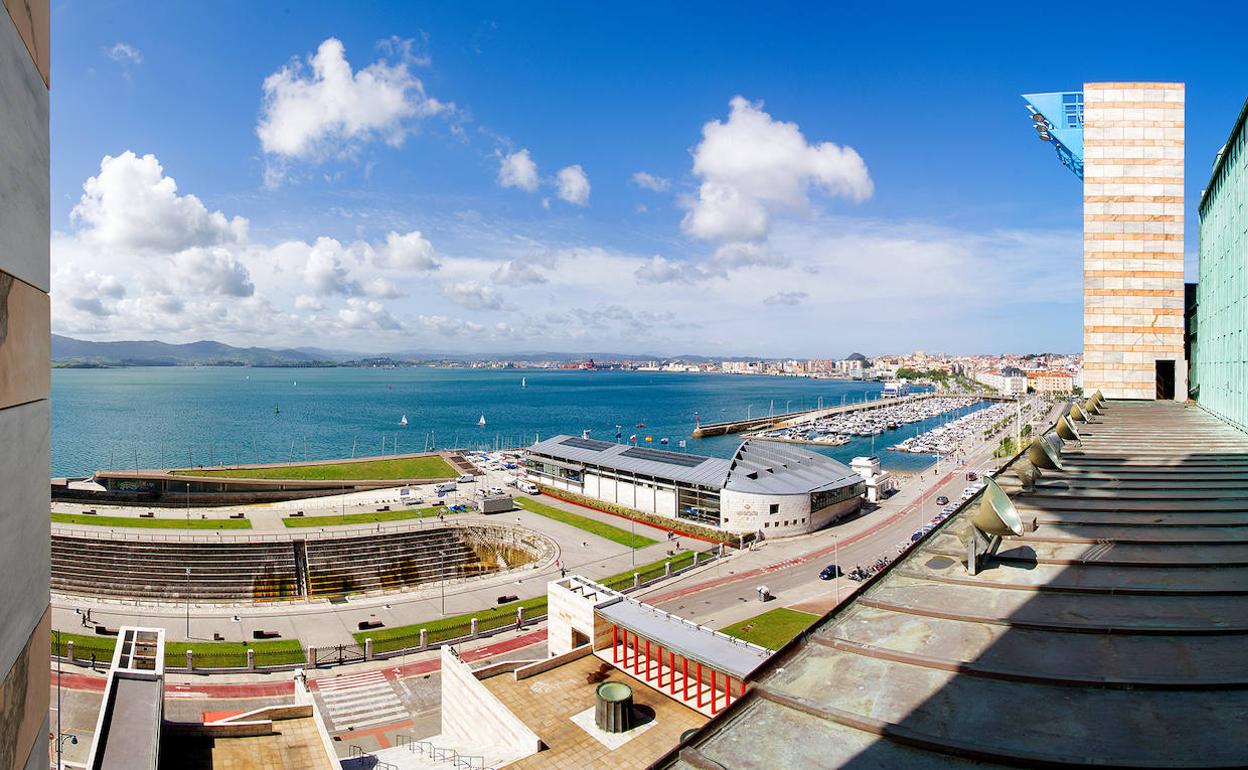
(380, 697)
(361, 700)
(338, 681)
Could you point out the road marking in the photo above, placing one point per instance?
(360, 700)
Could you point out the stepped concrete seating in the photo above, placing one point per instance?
(226, 571)
(355, 565)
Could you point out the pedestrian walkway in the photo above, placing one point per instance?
(353, 701)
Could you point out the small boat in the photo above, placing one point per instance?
(641, 425)
(481, 422)
(663, 441)
(403, 421)
(277, 409)
(524, 383)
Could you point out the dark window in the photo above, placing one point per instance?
(775, 507)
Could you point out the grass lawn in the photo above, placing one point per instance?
(362, 518)
(772, 628)
(387, 639)
(269, 652)
(127, 521)
(431, 467)
(592, 526)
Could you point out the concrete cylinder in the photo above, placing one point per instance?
(368, 649)
(70, 650)
(311, 657)
(667, 568)
(424, 638)
(519, 617)
(636, 580)
(251, 660)
(190, 660)
(613, 707)
(474, 628)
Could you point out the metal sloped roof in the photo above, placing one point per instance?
(721, 652)
(1113, 634)
(775, 468)
(757, 467)
(708, 472)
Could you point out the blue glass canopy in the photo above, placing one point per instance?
(1058, 119)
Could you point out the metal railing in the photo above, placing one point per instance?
(441, 754)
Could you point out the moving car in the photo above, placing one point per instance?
(830, 571)
(942, 500)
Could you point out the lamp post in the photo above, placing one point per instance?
(188, 604)
(442, 582)
(836, 556)
(188, 501)
(58, 698)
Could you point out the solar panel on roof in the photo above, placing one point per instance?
(587, 443)
(659, 456)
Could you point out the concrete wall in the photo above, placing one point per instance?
(744, 513)
(567, 611)
(1133, 236)
(472, 716)
(24, 378)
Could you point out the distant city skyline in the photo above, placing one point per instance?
(496, 178)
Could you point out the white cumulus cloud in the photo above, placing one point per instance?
(648, 181)
(786, 298)
(325, 108)
(125, 53)
(573, 185)
(753, 164)
(517, 169)
(407, 251)
(132, 205)
(474, 295)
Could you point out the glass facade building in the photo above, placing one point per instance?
(1219, 378)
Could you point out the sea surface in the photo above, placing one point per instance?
(149, 417)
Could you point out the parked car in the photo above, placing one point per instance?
(497, 491)
(465, 478)
(942, 500)
(442, 489)
(830, 571)
(970, 476)
(527, 487)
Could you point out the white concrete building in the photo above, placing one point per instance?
(767, 487)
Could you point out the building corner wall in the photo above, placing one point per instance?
(24, 382)
(1133, 237)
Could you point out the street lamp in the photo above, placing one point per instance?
(188, 604)
(188, 501)
(442, 582)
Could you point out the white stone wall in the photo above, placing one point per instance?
(473, 716)
(567, 611)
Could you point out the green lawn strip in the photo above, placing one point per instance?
(127, 521)
(387, 639)
(592, 526)
(362, 518)
(773, 628)
(269, 652)
(431, 467)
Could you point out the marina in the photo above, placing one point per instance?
(954, 435)
(840, 428)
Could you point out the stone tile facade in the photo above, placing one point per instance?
(1133, 237)
(24, 380)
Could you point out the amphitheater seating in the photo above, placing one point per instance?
(259, 571)
(222, 572)
(354, 565)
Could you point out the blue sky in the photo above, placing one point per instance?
(821, 179)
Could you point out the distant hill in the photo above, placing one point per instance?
(67, 350)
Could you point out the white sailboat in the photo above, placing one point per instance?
(481, 422)
(403, 421)
(524, 383)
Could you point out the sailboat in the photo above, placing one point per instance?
(403, 421)
(277, 409)
(524, 383)
(481, 422)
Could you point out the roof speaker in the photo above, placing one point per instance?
(1066, 429)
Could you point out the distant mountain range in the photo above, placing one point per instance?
(67, 351)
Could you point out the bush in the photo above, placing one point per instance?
(662, 522)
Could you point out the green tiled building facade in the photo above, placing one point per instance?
(1219, 377)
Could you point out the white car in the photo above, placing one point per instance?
(465, 478)
(497, 491)
(528, 487)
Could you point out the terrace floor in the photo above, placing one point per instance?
(548, 701)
